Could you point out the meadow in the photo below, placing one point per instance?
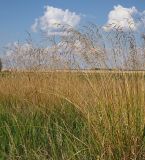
(72, 115)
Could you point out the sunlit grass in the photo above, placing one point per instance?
(84, 116)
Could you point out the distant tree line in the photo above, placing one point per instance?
(0, 65)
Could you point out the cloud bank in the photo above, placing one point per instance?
(52, 17)
(124, 18)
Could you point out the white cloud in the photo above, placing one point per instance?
(54, 16)
(125, 18)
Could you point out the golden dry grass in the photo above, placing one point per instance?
(85, 89)
(113, 104)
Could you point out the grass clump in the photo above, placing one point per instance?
(57, 134)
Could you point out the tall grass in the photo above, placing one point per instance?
(60, 115)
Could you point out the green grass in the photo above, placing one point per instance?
(64, 133)
(58, 134)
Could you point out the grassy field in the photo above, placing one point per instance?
(72, 116)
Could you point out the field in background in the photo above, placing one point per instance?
(72, 115)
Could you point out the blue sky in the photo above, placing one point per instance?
(18, 16)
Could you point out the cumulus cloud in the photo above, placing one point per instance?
(125, 18)
(54, 16)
